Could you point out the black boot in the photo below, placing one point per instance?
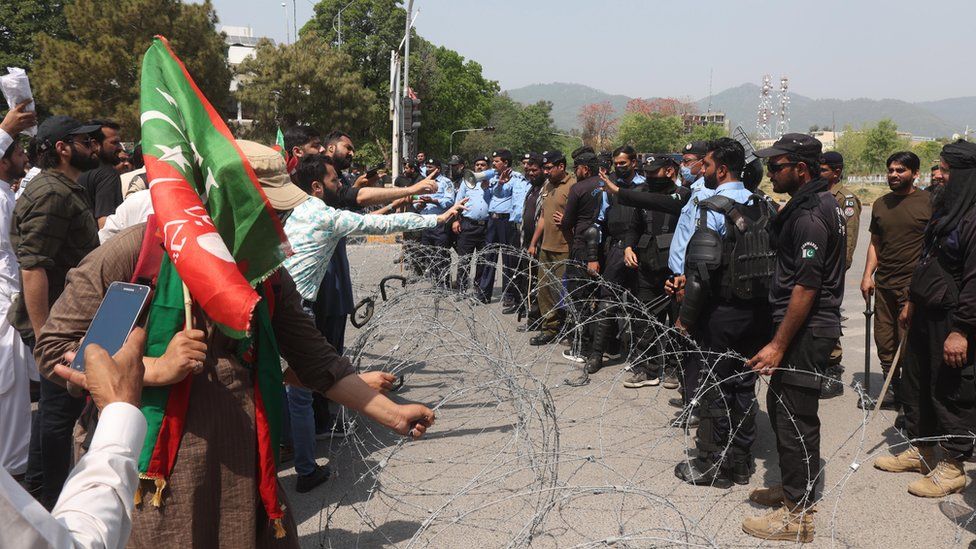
(743, 467)
(830, 384)
(702, 472)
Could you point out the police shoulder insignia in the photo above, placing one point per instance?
(676, 196)
(808, 250)
(849, 211)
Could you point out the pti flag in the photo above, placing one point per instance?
(218, 228)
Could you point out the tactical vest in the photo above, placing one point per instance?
(741, 265)
(619, 218)
(654, 245)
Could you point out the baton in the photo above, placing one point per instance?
(891, 374)
(868, 313)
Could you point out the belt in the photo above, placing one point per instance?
(499, 215)
(479, 222)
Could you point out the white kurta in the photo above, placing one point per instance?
(17, 366)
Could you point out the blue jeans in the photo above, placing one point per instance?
(302, 429)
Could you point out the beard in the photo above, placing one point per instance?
(711, 182)
(341, 163)
(899, 184)
(82, 161)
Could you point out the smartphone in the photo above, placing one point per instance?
(115, 318)
(372, 171)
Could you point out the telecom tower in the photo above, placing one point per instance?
(783, 123)
(765, 114)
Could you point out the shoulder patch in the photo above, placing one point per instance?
(849, 211)
(808, 250)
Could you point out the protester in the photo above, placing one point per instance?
(219, 434)
(103, 183)
(17, 367)
(95, 508)
(408, 176)
(805, 297)
(53, 228)
(897, 228)
(938, 367)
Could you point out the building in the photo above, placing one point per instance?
(241, 44)
(693, 120)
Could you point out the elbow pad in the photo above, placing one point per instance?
(696, 296)
(591, 238)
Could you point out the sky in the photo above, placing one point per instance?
(899, 49)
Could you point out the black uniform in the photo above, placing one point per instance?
(939, 400)
(811, 248)
(618, 222)
(526, 268)
(725, 309)
(581, 214)
(657, 203)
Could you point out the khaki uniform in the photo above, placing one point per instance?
(851, 206)
(553, 254)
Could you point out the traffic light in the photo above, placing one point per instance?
(415, 115)
(406, 113)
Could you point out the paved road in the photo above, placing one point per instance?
(517, 458)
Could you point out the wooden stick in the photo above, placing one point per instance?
(187, 308)
(891, 375)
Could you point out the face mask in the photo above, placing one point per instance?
(622, 172)
(687, 176)
(658, 183)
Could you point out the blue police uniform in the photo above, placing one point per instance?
(437, 240)
(507, 201)
(471, 239)
(686, 226)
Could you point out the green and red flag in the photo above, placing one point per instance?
(280, 143)
(222, 239)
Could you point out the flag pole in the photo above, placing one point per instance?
(187, 308)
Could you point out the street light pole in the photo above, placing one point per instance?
(485, 129)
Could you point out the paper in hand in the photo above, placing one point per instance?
(16, 89)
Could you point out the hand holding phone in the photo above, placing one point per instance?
(116, 316)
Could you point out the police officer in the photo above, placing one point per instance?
(471, 228)
(692, 160)
(580, 219)
(832, 169)
(658, 201)
(805, 297)
(727, 267)
(531, 210)
(617, 220)
(436, 240)
(938, 390)
(508, 189)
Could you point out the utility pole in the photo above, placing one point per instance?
(406, 72)
(395, 105)
(294, 21)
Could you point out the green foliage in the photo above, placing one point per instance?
(928, 152)
(707, 133)
(650, 133)
(21, 22)
(305, 83)
(865, 151)
(518, 127)
(453, 93)
(94, 70)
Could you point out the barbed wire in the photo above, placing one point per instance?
(518, 458)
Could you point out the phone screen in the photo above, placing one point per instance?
(115, 318)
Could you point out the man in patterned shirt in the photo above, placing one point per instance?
(314, 229)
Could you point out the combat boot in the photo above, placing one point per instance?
(578, 380)
(948, 477)
(917, 459)
(768, 497)
(830, 384)
(787, 523)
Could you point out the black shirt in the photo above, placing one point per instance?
(403, 180)
(103, 186)
(582, 210)
(531, 212)
(811, 250)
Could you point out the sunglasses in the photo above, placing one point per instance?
(773, 168)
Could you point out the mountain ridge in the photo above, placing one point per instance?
(939, 118)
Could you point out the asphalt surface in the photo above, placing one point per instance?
(517, 458)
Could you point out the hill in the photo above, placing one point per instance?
(931, 118)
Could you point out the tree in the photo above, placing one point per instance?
(94, 72)
(928, 152)
(851, 145)
(453, 93)
(21, 22)
(519, 128)
(707, 132)
(599, 124)
(305, 83)
(651, 133)
(879, 142)
(667, 106)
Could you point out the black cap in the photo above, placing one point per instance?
(799, 144)
(504, 154)
(455, 160)
(696, 147)
(586, 159)
(582, 150)
(653, 163)
(832, 158)
(534, 158)
(527, 156)
(57, 128)
(483, 158)
(554, 156)
(431, 161)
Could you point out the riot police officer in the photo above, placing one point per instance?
(728, 268)
(617, 219)
(647, 242)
